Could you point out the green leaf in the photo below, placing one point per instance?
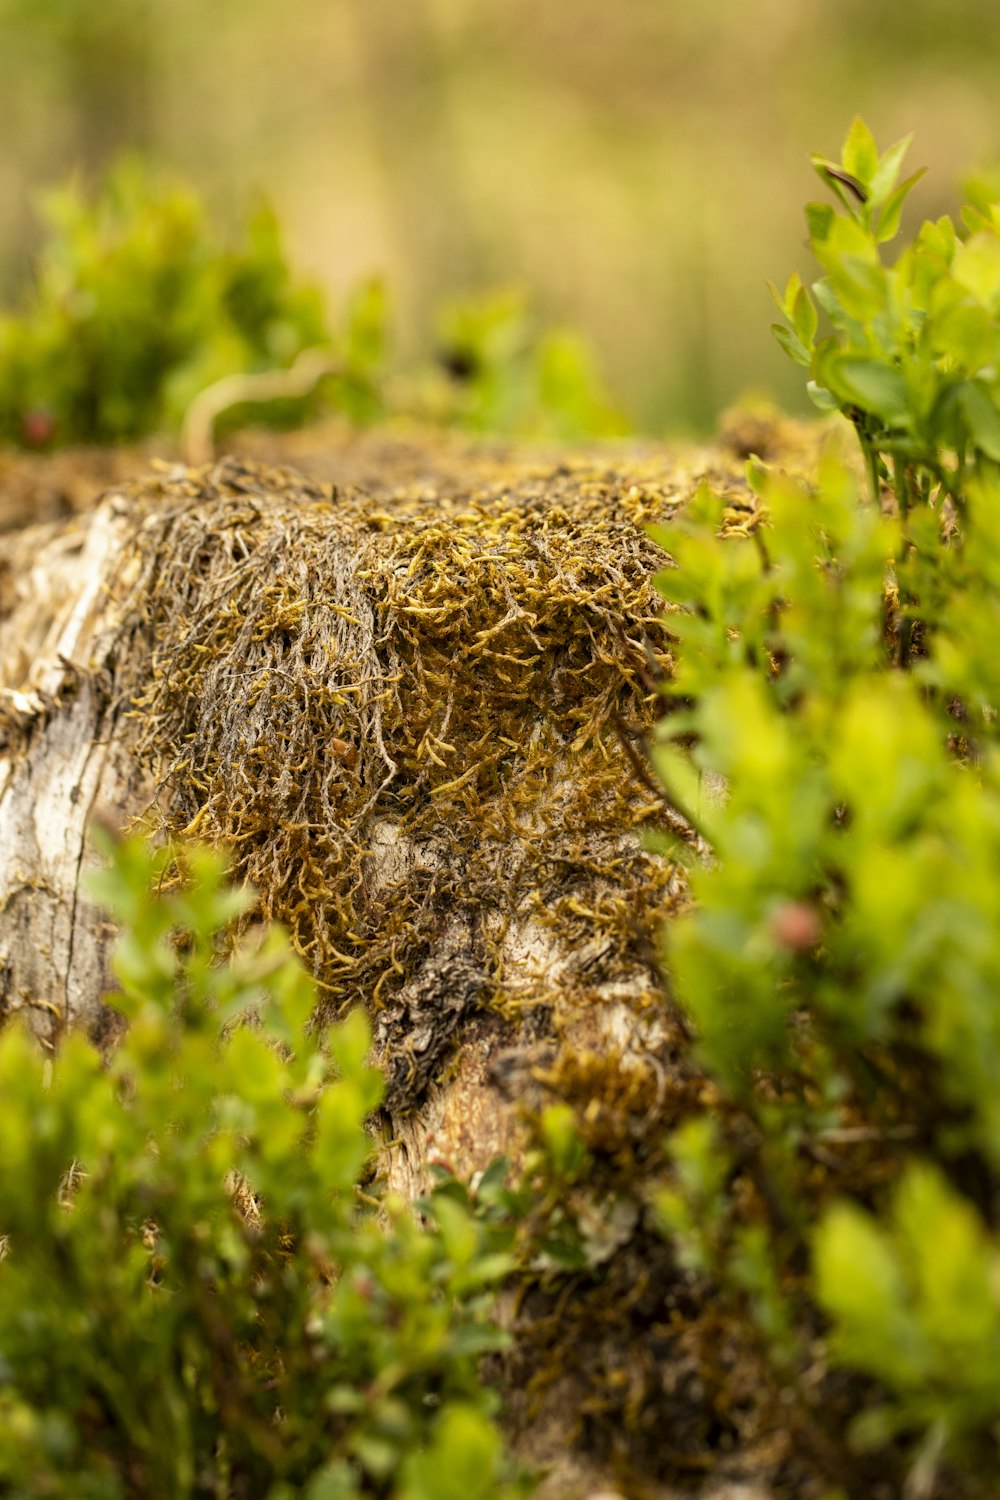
(700, 1160)
(859, 1284)
(819, 218)
(565, 1149)
(938, 238)
(786, 300)
(888, 220)
(461, 1463)
(976, 266)
(342, 1147)
(257, 1068)
(683, 783)
(851, 192)
(979, 408)
(826, 297)
(805, 318)
(349, 1042)
(459, 1234)
(859, 156)
(792, 345)
(883, 179)
(336, 1480)
(821, 397)
(493, 1179)
(869, 383)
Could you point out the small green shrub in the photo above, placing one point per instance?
(841, 964)
(203, 1292)
(137, 305)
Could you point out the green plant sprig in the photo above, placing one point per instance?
(910, 352)
(840, 967)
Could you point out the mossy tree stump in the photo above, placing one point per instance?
(415, 712)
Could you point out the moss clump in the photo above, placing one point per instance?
(406, 716)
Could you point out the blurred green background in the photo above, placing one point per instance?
(638, 167)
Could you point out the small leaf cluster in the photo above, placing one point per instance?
(910, 352)
(137, 304)
(203, 1291)
(833, 733)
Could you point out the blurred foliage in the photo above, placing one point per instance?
(503, 375)
(103, 59)
(638, 167)
(136, 305)
(841, 965)
(202, 1290)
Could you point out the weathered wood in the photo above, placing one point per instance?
(60, 757)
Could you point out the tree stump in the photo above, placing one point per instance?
(415, 712)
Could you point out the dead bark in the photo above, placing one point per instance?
(60, 756)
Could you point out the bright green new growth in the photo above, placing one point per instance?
(913, 1295)
(197, 1296)
(913, 352)
(842, 960)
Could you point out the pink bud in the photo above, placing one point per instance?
(38, 428)
(796, 926)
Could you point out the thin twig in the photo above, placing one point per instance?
(198, 430)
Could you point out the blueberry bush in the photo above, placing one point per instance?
(137, 304)
(203, 1290)
(841, 963)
